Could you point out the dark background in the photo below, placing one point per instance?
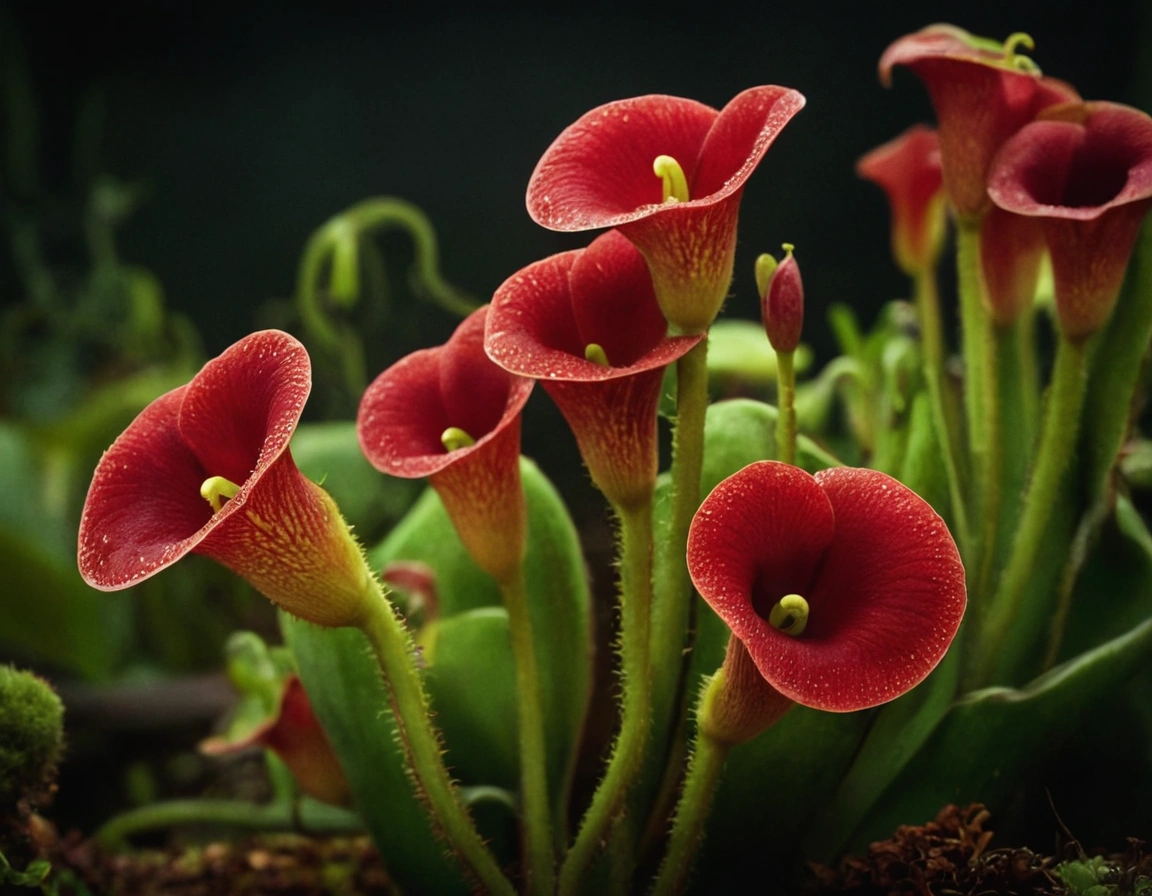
(250, 124)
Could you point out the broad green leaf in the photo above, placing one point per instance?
(470, 676)
(770, 788)
(347, 693)
(558, 596)
(1106, 603)
(983, 748)
(482, 745)
(898, 732)
(46, 611)
(740, 431)
(329, 453)
(739, 354)
(1112, 381)
(922, 469)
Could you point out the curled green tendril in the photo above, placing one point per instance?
(335, 257)
(1016, 60)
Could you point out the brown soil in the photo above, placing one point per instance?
(275, 865)
(950, 856)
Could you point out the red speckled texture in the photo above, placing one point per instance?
(1085, 171)
(539, 324)
(979, 103)
(406, 410)
(877, 565)
(598, 173)
(235, 419)
(907, 169)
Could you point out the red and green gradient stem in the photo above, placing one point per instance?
(421, 742)
(627, 757)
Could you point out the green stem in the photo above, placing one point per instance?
(973, 339)
(944, 417)
(670, 613)
(394, 651)
(1011, 449)
(636, 711)
(1054, 450)
(991, 481)
(786, 399)
(692, 811)
(1086, 532)
(313, 816)
(673, 607)
(540, 857)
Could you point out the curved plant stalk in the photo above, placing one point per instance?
(277, 816)
(420, 741)
(627, 757)
(700, 782)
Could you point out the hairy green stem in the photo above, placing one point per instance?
(636, 711)
(1055, 448)
(990, 484)
(786, 401)
(540, 857)
(1015, 396)
(395, 653)
(700, 783)
(670, 612)
(973, 338)
(944, 418)
(673, 606)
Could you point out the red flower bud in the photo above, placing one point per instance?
(782, 305)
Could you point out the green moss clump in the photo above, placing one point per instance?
(31, 740)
